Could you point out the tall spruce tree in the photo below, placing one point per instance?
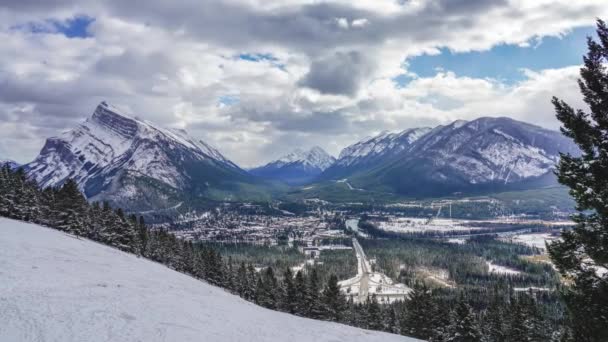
(421, 313)
(288, 292)
(334, 300)
(463, 325)
(585, 248)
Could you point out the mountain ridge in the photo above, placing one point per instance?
(297, 167)
(485, 154)
(132, 163)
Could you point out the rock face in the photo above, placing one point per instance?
(131, 162)
(298, 167)
(368, 152)
(486, 154)
(11, 163)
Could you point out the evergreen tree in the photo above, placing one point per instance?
(301, 304)
(314, 307)
(73, 207)
(375, 320)
(270, 289)
(463, 325)
(494, 327)
(288, 292)
(333, 299)
(419, 318)
(585, 247)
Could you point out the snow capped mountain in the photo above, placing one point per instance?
(484, 154)
(111, 154)
(297, 167)
(58, 288)
(369, 151)
(11, 163)
(316, 157)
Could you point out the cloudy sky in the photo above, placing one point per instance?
(257, 78)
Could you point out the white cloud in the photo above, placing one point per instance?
(328, 81)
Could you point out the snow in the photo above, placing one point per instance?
(316, 157)
(533, 240)
(498, 269)
(417, 224)
(56, 287)
(382, 144)
(109, 141)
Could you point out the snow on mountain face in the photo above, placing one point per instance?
(487, 153)
(58, 288)
(297, 167)
(11, 163)
(316, 157)
(381, 145)
(494, 149)
(109, 144)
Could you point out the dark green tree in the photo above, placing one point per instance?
(419, 318)
(288, 292)
(334, 300)
(463, 325)
(585, 248)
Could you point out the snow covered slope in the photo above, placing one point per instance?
(55, 287)
(486, 154)
(298, 167)
(11, 163)
(113, 156)
(368, 152)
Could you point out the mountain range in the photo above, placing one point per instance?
(298, 167)
(482, 155)
(136, 164)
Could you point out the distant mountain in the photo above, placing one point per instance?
(483, 155)
(134, 163)
(296, 168)
(11, 163)
(368, 152)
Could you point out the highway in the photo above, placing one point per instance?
(364, 271)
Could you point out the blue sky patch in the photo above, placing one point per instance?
(75, 27)
(504, 62)
(228, 100)
(261, 57)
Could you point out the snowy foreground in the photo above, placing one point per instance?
(55, 287)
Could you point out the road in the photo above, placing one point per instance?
(363, 269)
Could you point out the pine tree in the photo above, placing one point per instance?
(314, 307)
(142, 235)
(463, 325)
(301, 304)
(73, 208)
(333, 299)
(586, 246)
(288, 292)
(270, 287)
(419, 319)
(375, 319)
(494, 327)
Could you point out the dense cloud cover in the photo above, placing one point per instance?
(257, 78)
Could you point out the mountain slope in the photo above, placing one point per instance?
(367, 153)
(56, 287)
(133, 163)
(483, 155)
(11, 163)
(298, 167)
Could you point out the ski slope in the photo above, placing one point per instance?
(56, 287)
